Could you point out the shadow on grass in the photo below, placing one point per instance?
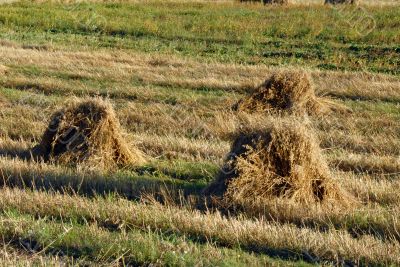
(125, 183)
(18, 153)
(182, 170)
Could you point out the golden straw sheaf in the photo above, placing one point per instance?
(87, 132)
(277, 159)
(336, 2)
(290, 91)
(270, 2)
(276, 2)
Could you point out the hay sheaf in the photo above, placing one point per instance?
(279, 159)
(337, 2)
(289, 91)
(269, 2)
(276, 2)
(87, 132)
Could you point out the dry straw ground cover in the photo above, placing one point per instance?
(315, 188)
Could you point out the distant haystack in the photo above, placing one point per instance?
(87, 132)
(269, 2)
(278, 159)
(276, 2)
(337, 2)
(290, 91)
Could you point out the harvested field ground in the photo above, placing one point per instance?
(172, 71)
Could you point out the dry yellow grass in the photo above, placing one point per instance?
(189, 73)
(11, 256)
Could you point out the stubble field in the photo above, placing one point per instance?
(172, 70)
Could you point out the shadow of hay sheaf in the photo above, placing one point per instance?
(287, 91)
(276, 158)
(182, 170)
(87, 132)
(23, 154)
(125, 183)
(15, 149)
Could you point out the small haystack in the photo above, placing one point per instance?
(269, 2)
(278, 159)
(276, 2)
(88, 132)
(338, 2)
(285, 91)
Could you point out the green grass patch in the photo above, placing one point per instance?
(316, 36)
(133, 248)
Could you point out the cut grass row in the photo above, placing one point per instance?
(127, 70)
(182, 224)
(377, 196)
(20, 257)
(188, 176)
(377, 158)
(134, 247)
(360, 132)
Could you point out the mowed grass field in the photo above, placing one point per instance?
(172, 70)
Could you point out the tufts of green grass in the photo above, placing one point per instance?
(127, 248)
(317, 36)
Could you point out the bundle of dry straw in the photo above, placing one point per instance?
(87, 132)
(336, 2)
(287, 91)
(279, 158)
(269, 2)
(276, 2)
